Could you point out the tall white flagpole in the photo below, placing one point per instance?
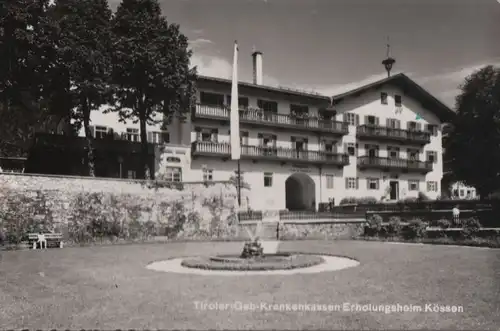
(235, 116)
(235, 120)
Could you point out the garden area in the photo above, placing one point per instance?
(110, 288)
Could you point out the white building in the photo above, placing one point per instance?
(381, 140)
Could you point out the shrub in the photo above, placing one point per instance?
(415, 229)
(443, 223)
(394, 227)
(348, 201)
(422, 197)
(374, 226)
(470, 227)
(366, 200)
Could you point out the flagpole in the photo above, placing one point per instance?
(235, 121)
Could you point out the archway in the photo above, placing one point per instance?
(300, 192)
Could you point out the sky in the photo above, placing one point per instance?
(330, 46)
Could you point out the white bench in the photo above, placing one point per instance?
(43, 238)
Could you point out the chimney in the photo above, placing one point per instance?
(257, 67)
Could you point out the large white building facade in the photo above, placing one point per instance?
(298, 149)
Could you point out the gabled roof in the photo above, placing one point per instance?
(410, 88)
(282, 90)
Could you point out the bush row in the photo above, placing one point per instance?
(417, 228)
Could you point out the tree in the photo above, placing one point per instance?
(84, 61)
(150, 68)
(473, 146)
(27, 50)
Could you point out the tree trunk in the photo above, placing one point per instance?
(89, 138)
(144, 147)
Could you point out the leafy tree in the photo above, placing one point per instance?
(27, 50)
(150, 68)
(84, 61)
(473, 146)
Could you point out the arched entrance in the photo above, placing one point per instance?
(300, 192)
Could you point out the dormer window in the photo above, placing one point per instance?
(383, 98)
(397, 100)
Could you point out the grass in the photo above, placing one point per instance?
(297, 261)
(108, 287)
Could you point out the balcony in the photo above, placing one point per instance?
(255, 153)
(381, 133)
(387, 164)
(259, 117)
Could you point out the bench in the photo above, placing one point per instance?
(51, 240)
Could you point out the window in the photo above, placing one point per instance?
(208, 175)
(133, 135)
(267, 140)
(397, 100)
(131, 174)
(383, 98)
(371, 120)
(211, 99)
(328, 146)
(242, 102)
(268, 106)
(413, 185)
(432, 186)
(393, 123)
(432, 156)
(371, 150)
(351, 148)
(244, 138)
(351, 118)
(372, 183)
(413, 126)
(101, 132)
(208, 135)
(299, 110)
(461, 193)
(159, 137)
(393, 152)
(173, 174)
(351, 183)
(432, 129)
(413, 154)
(268, 179)
(329, 181)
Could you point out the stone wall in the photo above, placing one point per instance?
(111, 210)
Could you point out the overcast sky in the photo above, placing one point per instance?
(332, 45)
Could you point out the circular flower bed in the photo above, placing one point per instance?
(266, 262)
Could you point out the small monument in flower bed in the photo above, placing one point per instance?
(254, 257)
(252, 249)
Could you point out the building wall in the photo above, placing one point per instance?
(261, 197)
(369, 104)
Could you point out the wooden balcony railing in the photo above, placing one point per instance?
(208, 148)
(375, 132)
(265, 118)
(390, 163)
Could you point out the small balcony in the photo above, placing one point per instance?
(382, 133)
(258, 117)
(387, 164)
(255, 153)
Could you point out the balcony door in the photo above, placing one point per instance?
(394, 186)
(269, 109)
(299, 147)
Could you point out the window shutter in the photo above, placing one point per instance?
(346, 182)
(356, 150)
(418, 126)
(368, 183)
(344, 115)
(357, 120)
(260, 136)
(366, 119)
(357, 183)
(259, 104)
(377, 121)
(345, 148)
(150, 137)
(388, 122)
(275, 140)
(398, 124)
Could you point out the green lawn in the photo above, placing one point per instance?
(109, 288)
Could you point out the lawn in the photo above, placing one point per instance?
(109, 288)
